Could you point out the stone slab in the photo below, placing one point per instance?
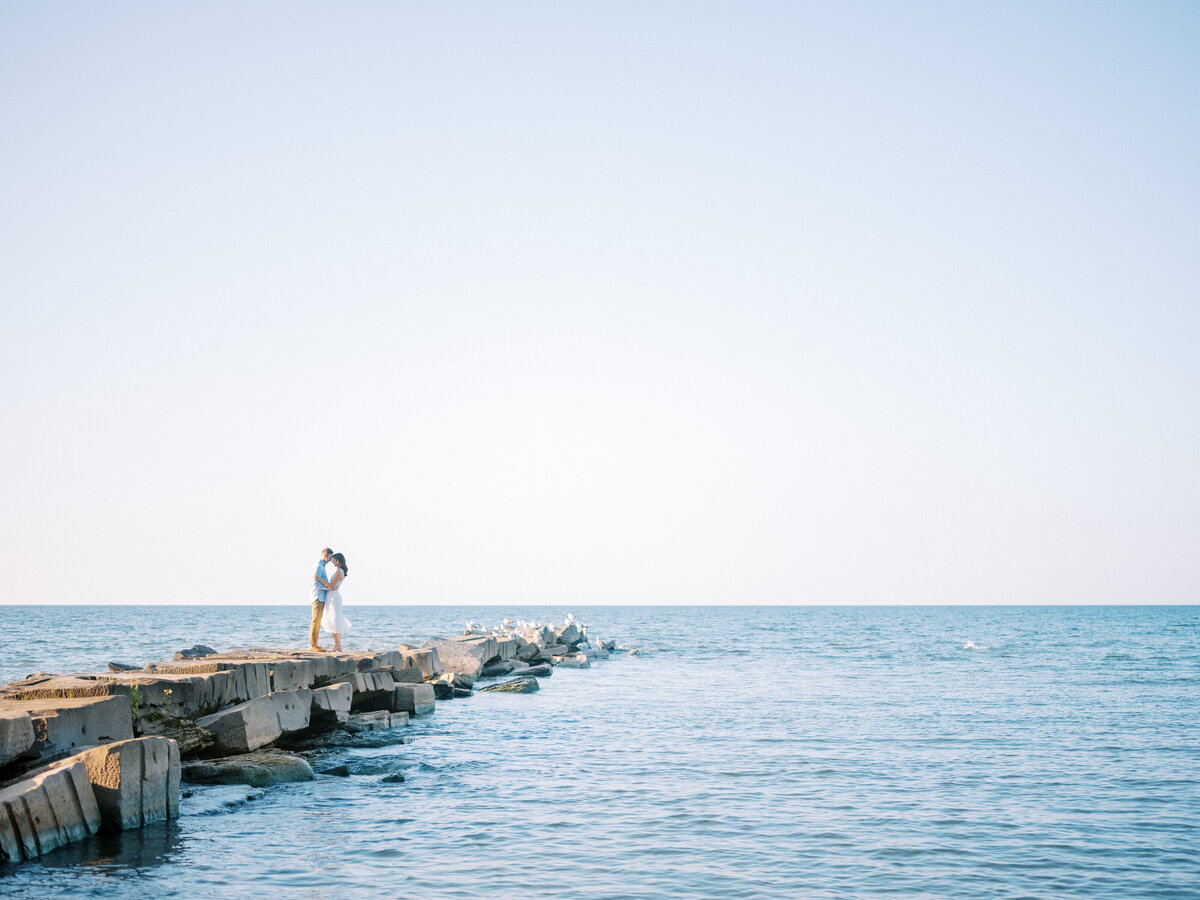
(378, 720)
(330, 707)
(259, 769)
(410, 675)
(59, 687)
(543, 671)
(254, 724)
(250, 679)
(372, 690)
(62, 725)
(426, 660)
(136, 782)
(179, 694)
(46, 811)
(464, 654)
(573, 661)
(568, 634)
(414, 699)
(334, 697)
(16, 735)
(391, 658)
(292, 674)
(526, 684)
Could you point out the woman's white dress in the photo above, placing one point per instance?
(332, 619)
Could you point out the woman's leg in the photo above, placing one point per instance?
(337, 641)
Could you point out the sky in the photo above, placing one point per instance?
(628, 302)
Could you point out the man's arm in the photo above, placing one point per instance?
(317, 577)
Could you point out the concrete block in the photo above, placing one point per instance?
(345, 664)
(292, 709)
(541, 635)
(543, 671)
(334, 697)
(330, 707)
(568, 634)
(258, 722)
(411, 675)
(179, 694)
(378, 720)
(573, 661)
(485, 644)
(426, 660)
(466, 654)
(414, 699)
(392, 658)
(244, 727)
(362, 662)
(258, 769)
(135, 782)
(250, 679)
(16, 735)
(59, 687)
(506, 648)
(526, 684)
(372, 690)
(292, 674)
(50, 809)
(62, 725)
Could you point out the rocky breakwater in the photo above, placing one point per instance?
(85, 752)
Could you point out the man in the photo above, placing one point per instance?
(319, 587)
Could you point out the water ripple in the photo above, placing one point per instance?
(769, 752)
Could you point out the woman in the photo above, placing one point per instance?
(332, 619)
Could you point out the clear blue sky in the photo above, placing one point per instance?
(612, 303)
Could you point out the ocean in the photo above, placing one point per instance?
(803, 752)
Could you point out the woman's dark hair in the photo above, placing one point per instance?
(341, 561)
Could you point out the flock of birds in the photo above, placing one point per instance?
(508, 627)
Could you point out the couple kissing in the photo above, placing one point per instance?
(326, 599)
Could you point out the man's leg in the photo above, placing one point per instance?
(314, 630)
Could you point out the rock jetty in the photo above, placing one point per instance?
(80, 753)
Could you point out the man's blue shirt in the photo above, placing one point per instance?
(319, 590)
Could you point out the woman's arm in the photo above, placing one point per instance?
(336, 580)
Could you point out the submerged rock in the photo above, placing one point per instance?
(496, 670)
(379, 720)
(196, 652)
(394, 778)
(526, 684)
(462, 692)
(542, 671)
(339, 771)
(574, 661)
(214, 800)
(258, 769)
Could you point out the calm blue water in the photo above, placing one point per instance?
(764, 752)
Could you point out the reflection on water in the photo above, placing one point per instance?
(110, 854)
